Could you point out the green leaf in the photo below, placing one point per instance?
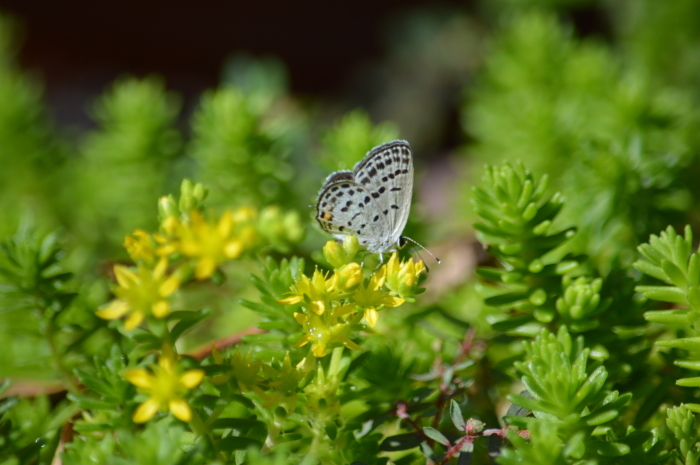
(674, 273)
(506, 299)
(401, 442)
(187, 322)
(688, 343)
(456, 415)
(612, 449)
(663, 293)
(436, 435)
(669, 317)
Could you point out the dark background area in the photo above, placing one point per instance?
(79, 47)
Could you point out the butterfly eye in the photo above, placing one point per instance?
(402, 242)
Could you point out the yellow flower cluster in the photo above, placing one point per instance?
(193, 244)
(165, 386)
(140, 292)
(333, 303)
(208, 244)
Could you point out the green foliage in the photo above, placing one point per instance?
(239, 156)
(571, 405)
(663, 37)
(668, 257)
(681, 422)
(160, 443)
(37, 299)
(125, 162)
(30, 150)
(352, 135)
(515, 221)
(617, 143)
(29, 428)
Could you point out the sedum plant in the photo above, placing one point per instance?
(218, 328)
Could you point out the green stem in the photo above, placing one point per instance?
(336, 358)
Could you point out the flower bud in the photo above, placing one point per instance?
(349, 276)
(167, 207)
(351, 246)
(334, 254)
(200, 192)
(186, 188)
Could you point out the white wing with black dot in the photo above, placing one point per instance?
(373, 200)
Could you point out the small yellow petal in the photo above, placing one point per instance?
(160, 268)
(167, 249)
(392, 301)
(160, 309)
(115, 309)
(244, 214)
(181, 409)
(139, 377)
(133, 321)
(295, 299)
(233, 249)
(303, 341)
(125, 277)
(191, 378)
(318, 307)
(301, 318)
(145, 411)
(170, 224)
(225, 224)
(349, 344)
(169, 286)
(319, 350)
(191, 248)
(205, 267)
(371, 316)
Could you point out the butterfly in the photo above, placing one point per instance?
(372, 201)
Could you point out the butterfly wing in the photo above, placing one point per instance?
(342, 209)
(387, 174)
(372, 201)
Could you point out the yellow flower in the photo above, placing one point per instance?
(321, 333)
(402, 278)
(168, 243)
(165, 387)
(317, 293)
(140, 293)
(347, 277)
(372, 297)
(140, 246)
(209, 244)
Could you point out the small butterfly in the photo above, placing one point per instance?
(372, 201)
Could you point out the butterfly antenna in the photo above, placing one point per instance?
(419, 245)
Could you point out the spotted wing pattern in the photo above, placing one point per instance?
(373, 200)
